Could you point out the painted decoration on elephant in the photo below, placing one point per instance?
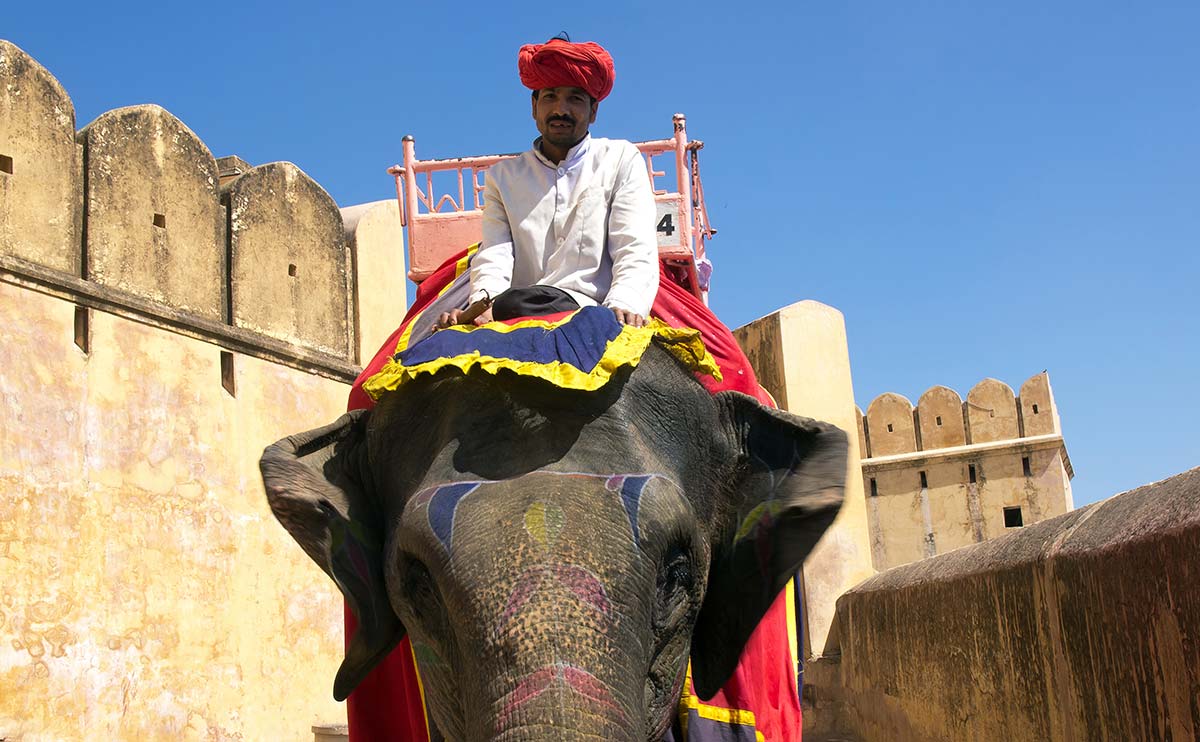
(442, 503)
(543, 522)
(584, 685)
(630, 486)
(582, 583)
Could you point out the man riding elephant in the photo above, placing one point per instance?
(570, 223)
(573, 216)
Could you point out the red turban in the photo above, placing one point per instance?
(559, 63)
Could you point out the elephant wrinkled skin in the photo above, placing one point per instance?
(556, 555)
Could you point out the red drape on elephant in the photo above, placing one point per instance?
(388, 704)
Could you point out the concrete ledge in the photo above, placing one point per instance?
(133, 307)
(961, 453)
(1085, 626)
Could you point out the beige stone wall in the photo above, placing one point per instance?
(147, 592)
(375, 236)
(941, 476)
(801, 357)
(1082, 627)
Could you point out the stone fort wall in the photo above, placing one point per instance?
(164, 316)
(948, 472)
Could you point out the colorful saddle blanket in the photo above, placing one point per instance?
(576, 350)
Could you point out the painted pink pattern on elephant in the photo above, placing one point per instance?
(594, 692)
(584, 585)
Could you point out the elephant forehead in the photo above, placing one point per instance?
(541, 508)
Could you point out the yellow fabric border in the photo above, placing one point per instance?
(688, 701)
(420, 687)
(793, 639)
(624, 350)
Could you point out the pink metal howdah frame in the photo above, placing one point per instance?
(434, 235)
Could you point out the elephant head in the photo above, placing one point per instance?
(555, 555)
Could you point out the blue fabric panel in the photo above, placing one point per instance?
(700, 729)
(580, 342)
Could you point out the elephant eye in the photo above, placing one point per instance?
(676, 585)
(419, 589)
(676, 574)
(679, 574)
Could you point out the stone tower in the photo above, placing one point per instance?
(950, 473)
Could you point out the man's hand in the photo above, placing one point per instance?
(446, 319)
(626, 317)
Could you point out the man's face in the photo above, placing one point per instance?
(563, 115)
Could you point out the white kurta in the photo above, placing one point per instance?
(585, 226)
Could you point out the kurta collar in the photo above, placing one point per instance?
(574, 156)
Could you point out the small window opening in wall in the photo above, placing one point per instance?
(1012, 517)
(228, 379)
(1025, 466)
(971, 473)
(6, 165)
(874, 488)
(83, 337)
(160, 221)
(939, 420)
(924, 481)
(889, 427)
(1035, 409)
(292, 270)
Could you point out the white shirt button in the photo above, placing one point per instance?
(562, 171)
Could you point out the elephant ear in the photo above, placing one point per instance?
(786, 487)
(315, 485)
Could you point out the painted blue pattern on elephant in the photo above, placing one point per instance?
(631, 487)
(443, 506)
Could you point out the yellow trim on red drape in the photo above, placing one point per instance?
(420, 689)
(689, 701)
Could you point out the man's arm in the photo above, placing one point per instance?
(492, 266)
(632, 242)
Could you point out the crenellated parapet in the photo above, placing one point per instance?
(950, 472)
(134, 216)
(40, 177)
(941, 419)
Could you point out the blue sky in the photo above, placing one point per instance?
(983, 189)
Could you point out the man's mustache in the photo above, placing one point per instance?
(564, 119)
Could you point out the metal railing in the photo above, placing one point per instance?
(434, 235)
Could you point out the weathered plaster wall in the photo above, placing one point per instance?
(940, 475)
(146, 591)
(801, 357)
(1082, 627)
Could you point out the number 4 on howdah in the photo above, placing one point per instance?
(564, 523)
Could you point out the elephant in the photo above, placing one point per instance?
(556, 556)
